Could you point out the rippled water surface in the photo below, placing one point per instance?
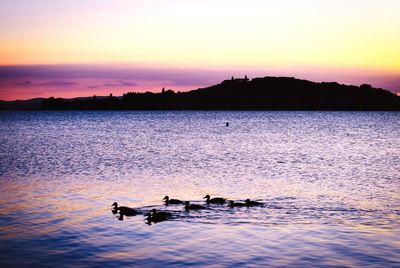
(330, 184)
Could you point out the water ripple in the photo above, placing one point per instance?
(329, 183)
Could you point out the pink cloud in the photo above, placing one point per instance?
(68, 81)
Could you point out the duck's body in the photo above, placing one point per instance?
(215, 200)
(189, 206)
(157, 216)
(233, 204)
(169, 201)
(249, 203)
(124, 210)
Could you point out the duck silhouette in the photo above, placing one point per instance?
(158, 216)
(233, 204)
(249, 203)
(169, 201)
(124, 210)
(189, 206)
(215, 200)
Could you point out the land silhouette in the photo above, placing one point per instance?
(267, 93)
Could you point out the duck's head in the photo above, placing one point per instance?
(186, 207)
(207, 197)
(231, 203)
(247, 201)
(114, 204)
(166, 198)
(153, 211)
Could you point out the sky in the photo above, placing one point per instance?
(76, 48)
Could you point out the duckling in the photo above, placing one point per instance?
(189, 206)
(172, 201)
(249, 203)
(124, 210)
(157, 216)
(215, 200)
(233, 204)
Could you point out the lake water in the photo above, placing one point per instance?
(329, 181)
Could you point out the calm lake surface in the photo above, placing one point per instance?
(330, 182)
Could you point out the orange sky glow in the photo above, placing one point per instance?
(81, 48)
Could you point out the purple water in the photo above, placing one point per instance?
(329, 182)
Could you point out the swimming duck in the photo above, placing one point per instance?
(124, 210)
(249, 203)
(157, 216)
(215, 200)
(233, 204)
(189, 206)
(172, 201)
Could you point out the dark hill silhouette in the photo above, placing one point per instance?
(35, 104)
(31, 104)
(286, 93)
(268, 93)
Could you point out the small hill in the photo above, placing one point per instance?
(31, 104)
(287, 93)
(267, 93)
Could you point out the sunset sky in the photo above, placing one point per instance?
(96, 47)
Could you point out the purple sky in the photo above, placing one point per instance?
(74, 80)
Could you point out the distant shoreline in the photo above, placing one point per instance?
(243, 94)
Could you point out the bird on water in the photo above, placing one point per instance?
(189, 206)
(215, 200)
(234, 204)
(124, 210)
(158, 216)
(169, 201)
(249, 203)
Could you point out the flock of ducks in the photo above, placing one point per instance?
(155, 216)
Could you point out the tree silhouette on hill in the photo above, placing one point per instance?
(268, 93)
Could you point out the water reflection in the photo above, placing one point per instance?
(328, 184)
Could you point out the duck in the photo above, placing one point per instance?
(124, 210)
(233, 204)
(215, 200)
(172, 201)
(189, 206)
(158, 216)
(249, 203)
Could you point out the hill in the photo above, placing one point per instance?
(268, 93)
(32, 104)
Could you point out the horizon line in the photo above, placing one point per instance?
(179, 91)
